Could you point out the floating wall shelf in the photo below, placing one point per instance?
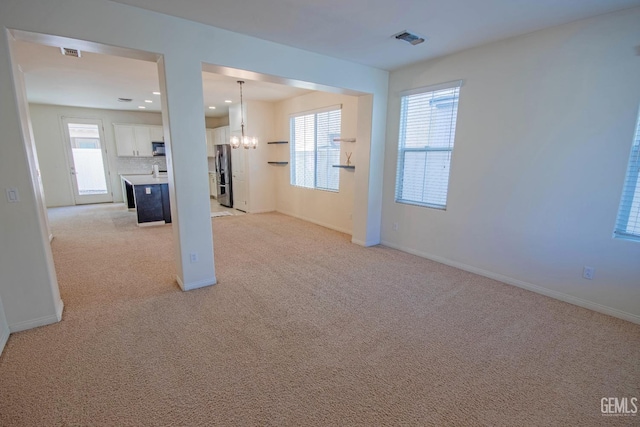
(278, 142)
(278, 163)
(351, 167)
(344, 139)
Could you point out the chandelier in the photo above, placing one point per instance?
(246, 141)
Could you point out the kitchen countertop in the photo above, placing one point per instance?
(146, 179)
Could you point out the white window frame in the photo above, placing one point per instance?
(293, 160)
(426, 149)
(628, 220)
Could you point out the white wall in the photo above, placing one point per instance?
(332, 210)
(216, 122)
(51, 145)
(259, 122)
(544, 131)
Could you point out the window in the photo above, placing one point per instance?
(314, 151)
(427, 131)
(628, 223)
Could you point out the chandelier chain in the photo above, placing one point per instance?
(240, 82)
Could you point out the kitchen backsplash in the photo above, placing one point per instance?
(142, 165)
(139, 165)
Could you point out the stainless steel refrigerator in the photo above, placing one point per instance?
(223, 175)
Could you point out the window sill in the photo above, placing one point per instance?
(422, 205)
(627, 237)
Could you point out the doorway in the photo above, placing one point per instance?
(87, 157)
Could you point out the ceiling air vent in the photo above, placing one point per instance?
(70, 52)
(409, 37)
(125, 99)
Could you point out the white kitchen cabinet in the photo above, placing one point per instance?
(211, 142)
(143, 141)
(135, 140)
(216, 136)
(125, 140)
(222, 135)
(157, 133)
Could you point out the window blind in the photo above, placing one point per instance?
(314, 151)
(425, 143)
(628, 222)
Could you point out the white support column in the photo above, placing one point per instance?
(185, 137)
(29, 289)
(367, 209)
(4, 329)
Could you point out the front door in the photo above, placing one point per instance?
(87, 161)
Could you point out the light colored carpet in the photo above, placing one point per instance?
(304, 328)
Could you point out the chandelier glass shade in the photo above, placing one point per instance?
(244, 141)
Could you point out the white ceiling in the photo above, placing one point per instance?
(98, 80)
(361, 30)
(356, 30)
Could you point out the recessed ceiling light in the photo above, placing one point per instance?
(156, 93)
(148, 101)
(228, 101)
(142, 107)
(211, 107)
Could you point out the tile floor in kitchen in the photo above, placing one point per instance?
(217, 207)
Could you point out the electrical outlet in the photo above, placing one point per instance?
(193, 256)
(395, 226)
(147, 190)
(587, 272)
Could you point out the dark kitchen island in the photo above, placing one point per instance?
(149, 196)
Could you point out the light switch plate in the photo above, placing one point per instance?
(147, 190)
(12, 195)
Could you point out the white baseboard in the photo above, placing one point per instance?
(59, 309)
(40, 321)
(320, 223)
(261, 211)
(195, 285)
(358, 242)
(363, 243)
(4, 337)
(524, 285)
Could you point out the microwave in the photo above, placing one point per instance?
(158, 148)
